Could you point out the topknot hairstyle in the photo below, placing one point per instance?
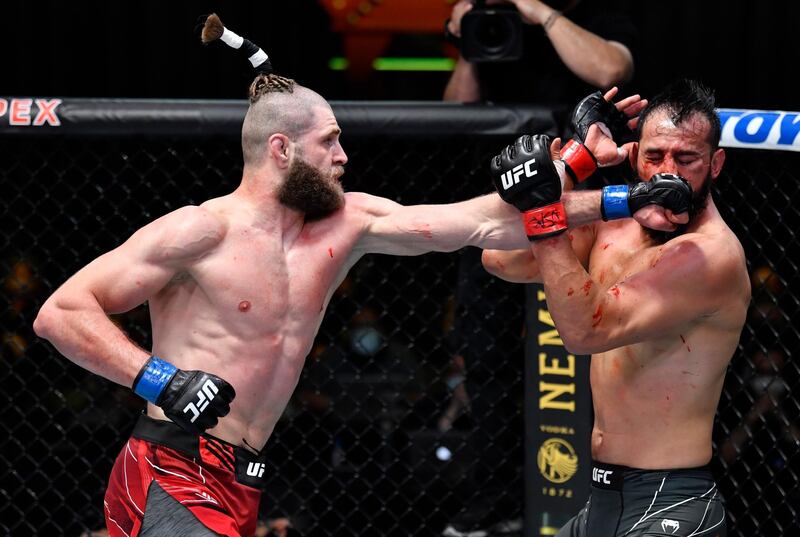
(269, 83)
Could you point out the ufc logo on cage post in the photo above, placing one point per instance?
(22, 113)
(204, 396)
(511, 177)
(256, 469)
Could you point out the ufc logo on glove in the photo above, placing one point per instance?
(511, 177)
(204, 396)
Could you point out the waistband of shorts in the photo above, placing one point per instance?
(248, 467)
(613, 476)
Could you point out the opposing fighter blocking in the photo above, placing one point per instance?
(660, 313)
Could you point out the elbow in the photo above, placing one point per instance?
(574, 342)
(616, 71)
(515, 266)
(584, 341)
(491, 263)
(494, 263)
(615, 75)
(46, 320)
(585, 334)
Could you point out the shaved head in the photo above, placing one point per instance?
(277, 105)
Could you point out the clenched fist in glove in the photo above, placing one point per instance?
(666, 190)
(194, 400)
(525, 176)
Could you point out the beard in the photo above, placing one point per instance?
(699, 202)
(308, 190)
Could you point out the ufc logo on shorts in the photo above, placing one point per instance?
(511, 177)
(256, 469)
(602, 476)
(204, 396)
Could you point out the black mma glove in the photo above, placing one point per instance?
(194, 400)
(670, 191)
(524, 176)
(580, 162)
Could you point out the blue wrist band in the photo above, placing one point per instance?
(615, 202)
(153, 378)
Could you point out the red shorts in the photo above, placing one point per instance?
(165, 476)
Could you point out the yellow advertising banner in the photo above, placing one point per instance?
(558, 423)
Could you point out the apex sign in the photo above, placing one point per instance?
(24, 112)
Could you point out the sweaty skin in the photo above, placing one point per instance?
(661, 321)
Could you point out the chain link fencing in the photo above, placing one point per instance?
(408, 413)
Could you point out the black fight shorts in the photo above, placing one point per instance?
(627, 502)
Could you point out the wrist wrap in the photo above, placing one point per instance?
(580, 162)
(153, 378)
(614, 203)
(544, 222)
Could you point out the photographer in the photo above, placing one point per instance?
(569, 48)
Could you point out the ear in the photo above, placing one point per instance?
(717, 160)
(279, 147)
(633, 154)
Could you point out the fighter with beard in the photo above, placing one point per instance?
(237, 288)
(661, 315)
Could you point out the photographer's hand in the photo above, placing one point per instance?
(454, 22)
(534, 11)
(463, 83)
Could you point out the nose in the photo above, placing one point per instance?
(339, 157)
(668, 165)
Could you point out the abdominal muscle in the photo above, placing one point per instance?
(263, 365)
(651, 415)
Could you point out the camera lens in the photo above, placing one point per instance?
(493, 32)
(490, 35)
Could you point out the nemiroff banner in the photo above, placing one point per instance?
(558, 423)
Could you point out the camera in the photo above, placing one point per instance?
(491, 35)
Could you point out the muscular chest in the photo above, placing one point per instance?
(620, 252)
(258, 280)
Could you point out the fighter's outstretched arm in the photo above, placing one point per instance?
(486, 221)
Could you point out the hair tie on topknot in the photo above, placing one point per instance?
(211, 29)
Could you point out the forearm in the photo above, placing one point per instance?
(86, 336)
(573, 298)
(499, 225)
(583, 207)
(463, 85)
(486, 222)
(593, 59)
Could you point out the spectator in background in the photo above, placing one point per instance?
(570, 48)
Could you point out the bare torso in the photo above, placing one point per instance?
(249, 310)
(655, 401)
